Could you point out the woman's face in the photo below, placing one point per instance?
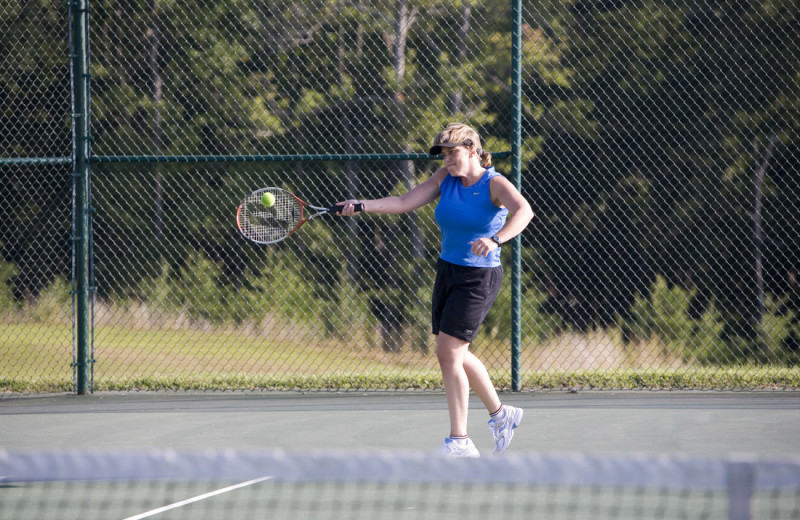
(456, 160)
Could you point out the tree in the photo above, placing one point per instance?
(666, 98)
(35, 118)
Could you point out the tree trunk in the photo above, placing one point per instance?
(758, 239)
(456, 104)
(157, 91)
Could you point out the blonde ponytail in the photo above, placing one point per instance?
(486, 158)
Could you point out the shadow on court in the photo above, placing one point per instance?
(702, 423)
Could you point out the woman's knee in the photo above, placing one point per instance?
(450, 350)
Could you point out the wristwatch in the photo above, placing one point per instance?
(497, 240)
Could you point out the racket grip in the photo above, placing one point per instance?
(339, 207)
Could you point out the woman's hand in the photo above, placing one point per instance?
(350, 207)
(483, 246)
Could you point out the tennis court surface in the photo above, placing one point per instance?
(368, 455)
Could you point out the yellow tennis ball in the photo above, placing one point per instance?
(268, 199)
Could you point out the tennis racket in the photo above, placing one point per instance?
(267, 225)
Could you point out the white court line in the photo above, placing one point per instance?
(197, 498)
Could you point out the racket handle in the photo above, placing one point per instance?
(339, 207)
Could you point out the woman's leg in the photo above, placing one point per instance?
(460, 371)
(451, 352)
(481, 383)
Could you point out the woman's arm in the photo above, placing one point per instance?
(416, 197)
(505, 194)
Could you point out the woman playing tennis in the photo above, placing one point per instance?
(478, 210)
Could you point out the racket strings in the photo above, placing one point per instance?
(263, 224)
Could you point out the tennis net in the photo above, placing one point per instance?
(282, 485)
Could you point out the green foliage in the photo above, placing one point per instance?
(664, 316)
(7, 301)
(200, 293)
(54, 303)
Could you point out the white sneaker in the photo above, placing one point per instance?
(503, 428)
(453, 448)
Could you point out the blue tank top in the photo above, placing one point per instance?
(465, 215)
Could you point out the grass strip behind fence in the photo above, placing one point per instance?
(738, 378)
(36, 358)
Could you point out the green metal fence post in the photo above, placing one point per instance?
(516, 178)
(79, 57)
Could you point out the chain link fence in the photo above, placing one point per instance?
(659, 152)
